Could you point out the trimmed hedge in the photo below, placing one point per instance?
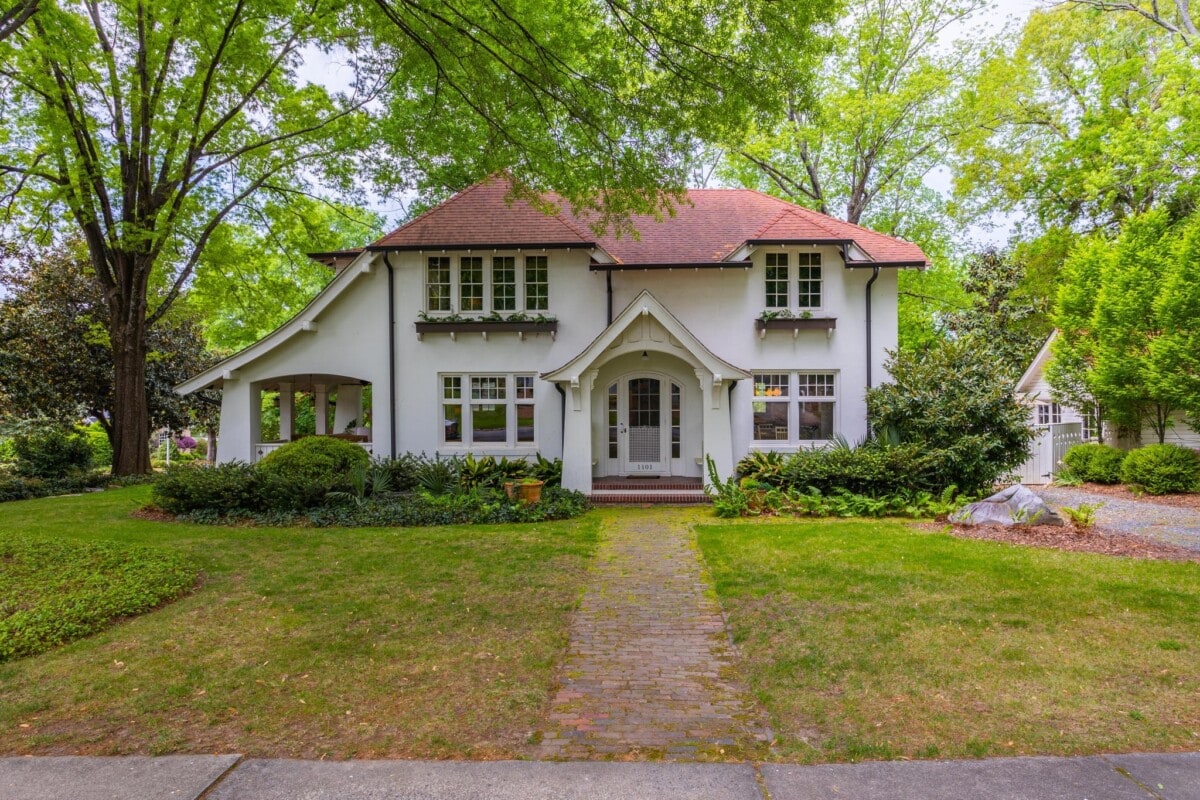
(1162, 469)
(873, 469)
(1095, 463)
(54, 591)
(19, 488)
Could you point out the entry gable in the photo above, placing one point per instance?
(613, 340)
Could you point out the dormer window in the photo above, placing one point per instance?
(799, 270)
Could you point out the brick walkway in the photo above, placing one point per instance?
(649, 671)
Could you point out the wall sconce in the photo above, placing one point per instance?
(645, 355)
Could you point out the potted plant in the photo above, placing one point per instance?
(529, 490)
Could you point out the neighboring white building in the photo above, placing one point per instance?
(486, 326)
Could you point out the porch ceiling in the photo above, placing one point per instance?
(307, 382)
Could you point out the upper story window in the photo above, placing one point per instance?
(481, 284)
(794, 407)
(799, 270)
(437, 283)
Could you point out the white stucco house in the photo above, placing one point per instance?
(741, 322)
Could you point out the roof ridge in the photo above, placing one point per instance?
(438, 207)
(817, 218)
(768, 224)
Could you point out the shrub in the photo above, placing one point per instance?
(301, 473)
(872, 469)
(8, 454)
(1162, 469)
(953, 402)
(230, 487)
(102, 454)
(21, 488)
(1097, 463)
(55, 591)
(52, 454)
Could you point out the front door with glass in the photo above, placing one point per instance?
(643, 425)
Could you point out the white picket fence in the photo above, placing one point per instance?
(1046, 451)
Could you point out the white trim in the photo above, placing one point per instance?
(1036, 367)
(644, 304)
(306, 320)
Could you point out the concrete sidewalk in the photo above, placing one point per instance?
(1146, 776)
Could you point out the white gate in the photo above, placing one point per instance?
(1047, 449)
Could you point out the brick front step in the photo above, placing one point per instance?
(645, 486)
(635, 496)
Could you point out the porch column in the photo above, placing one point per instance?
(321, 407)
(287, 411)
(717, 423)
(349, 407)
(577, 434)
(241, 420)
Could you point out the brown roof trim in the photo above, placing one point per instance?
(687, 265)
(784, 242)
(893, 264)
(333, 258)
(416, 248)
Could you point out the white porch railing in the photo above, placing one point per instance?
(260, 450)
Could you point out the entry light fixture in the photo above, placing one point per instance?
(645, 355)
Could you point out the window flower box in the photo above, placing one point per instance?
(485, 327)
(795, 325)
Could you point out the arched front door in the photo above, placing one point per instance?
(644, 424)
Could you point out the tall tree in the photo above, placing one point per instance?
(884, 116)
(1174, 357)
(1092, 118)
(1069, 372)
(178, 117)
(55, 358)
(1176, 18)
(14, 15)
(253, 278)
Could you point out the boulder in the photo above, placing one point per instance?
(1016, 505)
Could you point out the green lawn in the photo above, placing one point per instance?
(418, 642)
(877, 640)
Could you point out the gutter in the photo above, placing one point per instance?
(608, 282)
(391, 284)
(874, 277)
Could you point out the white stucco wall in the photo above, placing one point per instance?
(718, 306)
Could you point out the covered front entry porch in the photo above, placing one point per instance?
(646, 399)
(292, 407)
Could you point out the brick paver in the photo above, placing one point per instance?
(649, 671)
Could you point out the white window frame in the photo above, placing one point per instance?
(1048, 413)
(520, 267)
(511, 400)
(793, 263)
(793, 394)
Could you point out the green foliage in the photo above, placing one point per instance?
(1090, 119)
(728, 496)
(321, 461)
(53, 453)
(8, 453)
(98, 441)
(1082, 516)
(20, 488)
(54, 591)
(1162, 469)
(953, 406)
(1095, 463)
(230, 487)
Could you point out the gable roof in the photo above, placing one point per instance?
(710, 226)
(1037, 367)
(645, 304)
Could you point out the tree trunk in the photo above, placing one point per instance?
(131, 415)
(211, 430)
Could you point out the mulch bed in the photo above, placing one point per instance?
(1120, 492)
(1065, 537)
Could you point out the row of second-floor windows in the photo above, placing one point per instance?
(793, 281)
(479, 284)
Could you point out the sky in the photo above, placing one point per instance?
(330, 71)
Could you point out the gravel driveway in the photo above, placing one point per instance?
(1177, 526)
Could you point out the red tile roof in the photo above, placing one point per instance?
(708, 227)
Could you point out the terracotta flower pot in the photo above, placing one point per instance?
(530, 492)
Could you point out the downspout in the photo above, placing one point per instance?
(608, 281)
(874, 277)
(387, 262)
